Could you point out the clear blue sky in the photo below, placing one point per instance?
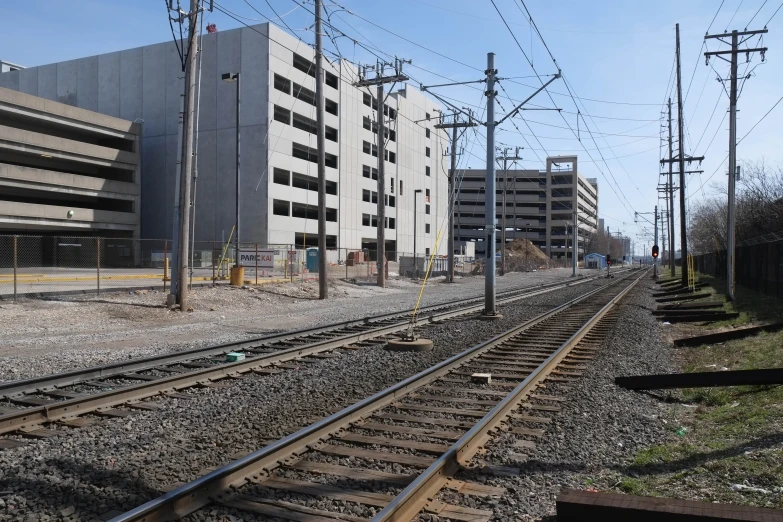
(609, 50)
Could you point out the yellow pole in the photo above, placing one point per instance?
(424, 283)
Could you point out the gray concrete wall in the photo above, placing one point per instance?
(146, 83)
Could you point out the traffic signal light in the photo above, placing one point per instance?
(655, 251)
(608, 259)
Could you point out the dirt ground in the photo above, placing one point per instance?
(44, 336)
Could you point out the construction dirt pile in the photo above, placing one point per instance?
(521, 255)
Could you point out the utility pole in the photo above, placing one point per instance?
(323, 288)
(490, 311)
(489, 199)
(735, 50)
(454, 125)
(664, 228)
(670, 196)
(379, 81)
(681, 142)
(179, 290)
(681, 159)
(655, 242)
(505, 159)
(575, 240)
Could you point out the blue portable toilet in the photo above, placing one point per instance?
(312, 260)
(595, 261)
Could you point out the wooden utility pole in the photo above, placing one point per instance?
(670, 195)
(323, 287)
(681, 158)
(454, 125)
(735, 50)
(681, 142)
(379, 81)
(505, 159)
(187, 156)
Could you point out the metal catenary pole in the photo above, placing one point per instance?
(323, 288)
(452, 199)
(489, 201)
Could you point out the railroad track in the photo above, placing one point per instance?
(396, 454)
(114, 390)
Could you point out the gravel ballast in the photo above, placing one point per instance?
(120, 463)
(600, 428)
(41, 337)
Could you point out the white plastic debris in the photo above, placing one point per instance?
(750, 489)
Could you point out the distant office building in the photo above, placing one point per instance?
(278, 142)
(539, 206)
(601, 225)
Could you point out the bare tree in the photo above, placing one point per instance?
(759, 209)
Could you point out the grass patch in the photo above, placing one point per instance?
(733, 435)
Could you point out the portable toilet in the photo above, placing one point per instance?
(312, 260)
(595, 261)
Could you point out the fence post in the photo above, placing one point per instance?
(257, 263)
(98, 262)
(15, 264)
(165, 264)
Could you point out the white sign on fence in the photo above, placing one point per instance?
(266, 258)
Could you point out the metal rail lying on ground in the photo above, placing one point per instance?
(201, 492)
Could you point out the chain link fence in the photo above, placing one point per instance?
(57, 265)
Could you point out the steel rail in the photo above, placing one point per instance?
(415, 497)
(52, 382)
(199, 493)
(70, 408)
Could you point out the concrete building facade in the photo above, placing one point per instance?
(66, 170)
(278, 144)
(539, 207)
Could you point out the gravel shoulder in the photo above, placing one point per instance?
(41, 337)
(119, 463)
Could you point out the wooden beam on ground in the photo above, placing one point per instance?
(701, 379)
(719, 337)
(577, 505)
(685, 306)
(688, 297)
(698, 317)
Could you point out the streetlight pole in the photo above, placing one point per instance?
(235, 77)
(415, 230)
